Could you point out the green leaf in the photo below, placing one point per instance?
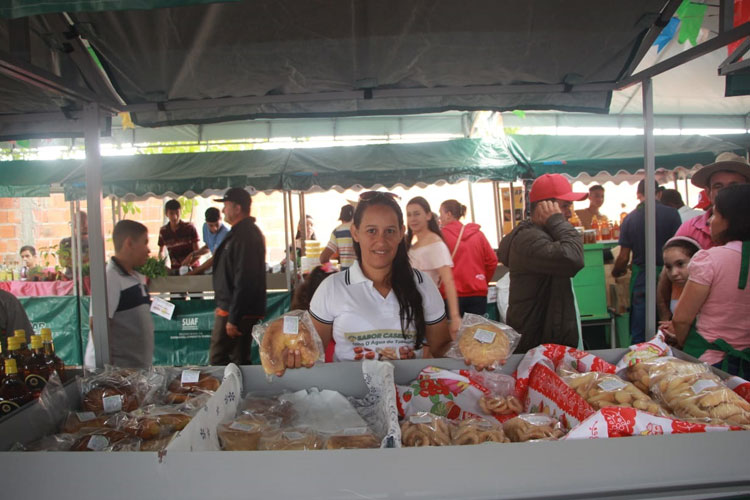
(439, 409)
(435, 398)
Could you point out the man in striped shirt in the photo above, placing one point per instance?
(341, 240)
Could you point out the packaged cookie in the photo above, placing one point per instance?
(533, 427)
(477, 431)
(346, 441)
(425, 429)
(646, 372)
(292, 331)
(188, 383)
(602, 390)
(483, 343)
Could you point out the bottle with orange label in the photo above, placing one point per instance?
(623, 214)
(595, 227)
(574, 220)
(54, 362)
(13, 391)
(605, 228)
(616, 231)
(36, 369)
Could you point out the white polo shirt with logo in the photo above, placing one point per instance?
(364, 322)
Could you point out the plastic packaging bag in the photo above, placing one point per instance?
(645, 373)
(482, 343)
(106, 440)
(293, 330)
(353, 441)
(327, 412)
(244, 432)
(425, 429)
(189, 382)
(269, 409)
(602, 390)
(119, 389)
(691, 390)
(301, 438)
(533, 427)
(477, 431)
(501, 398)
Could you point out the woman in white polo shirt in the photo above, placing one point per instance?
(379, 308)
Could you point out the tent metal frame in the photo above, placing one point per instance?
(96, 103)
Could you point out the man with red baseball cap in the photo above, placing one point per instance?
(543, 254)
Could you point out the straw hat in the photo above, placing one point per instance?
(725, 162)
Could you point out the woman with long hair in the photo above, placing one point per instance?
(717, 290)
(379, 308)
(430, 254)
(474, 260)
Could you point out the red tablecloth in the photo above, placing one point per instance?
(37, 288)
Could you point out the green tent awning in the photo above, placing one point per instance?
(299, 169)
(15, 9)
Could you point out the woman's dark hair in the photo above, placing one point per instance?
(454, 208)
(733, 203)
(690, 248)
(432, 224)
(298, 236)
(402, 275)
(304, 292)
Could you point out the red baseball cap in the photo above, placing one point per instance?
(556, 186)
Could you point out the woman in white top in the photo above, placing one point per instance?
(379, 308)
(430, 254)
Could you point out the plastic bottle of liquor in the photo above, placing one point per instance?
(23, 348)
(574, 220)
(616, 231)
(36, 368)
(49, 353)
(13, 392)
(623, 214)
(14, 353)
(605, 229)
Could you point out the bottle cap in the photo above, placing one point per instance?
(10, 366)
(19, 333)
(46, 335)
(36, 342)
(45, 331)
(13, 343)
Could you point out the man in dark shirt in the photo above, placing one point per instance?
(180, 238)
(239, 278)
(633, 240)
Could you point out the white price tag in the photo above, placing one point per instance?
(420, 419)
(702, 385)
(162, 308)
(293, 436)
(112, 404)
(97, 442)
(291, 325)
(190, 376)
(492, 295)
(611, 385)
(85, 416)
(484, 336)
(242, 427)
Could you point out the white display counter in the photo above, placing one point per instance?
(708, 465)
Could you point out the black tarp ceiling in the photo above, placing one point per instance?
(315, 57)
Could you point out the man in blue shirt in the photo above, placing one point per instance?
(633, 239)
(213, 234)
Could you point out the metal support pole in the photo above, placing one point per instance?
(287, 267)
(77, 255)
(650, 166)
(96, 234)
(292, 256)
(687, 191)
(512, 207)
(498, 210)
(73, 243)
(471, 202)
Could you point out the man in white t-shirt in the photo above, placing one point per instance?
(358, 307)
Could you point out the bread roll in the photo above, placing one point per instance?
(275, 341)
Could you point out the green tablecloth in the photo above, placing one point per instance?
(183, 340)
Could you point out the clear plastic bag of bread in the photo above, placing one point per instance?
(352, 439)
(295, 438)
(119, 389)
(425, 429)
(477, 431)
(154, 422)
(644, 373)
(501, 397)
(269, 407)
(695, 392)
(54, 442)
(293, 331)
(244, 432)
(533, 427)
(483, 343)
(105, 440)
(187, 383)
(75, 421)
(602, 390)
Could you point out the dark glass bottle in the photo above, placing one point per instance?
(13, 391)
(36, 370)
(49, 353)
(14, 353)
(2, 364)
(23, 347)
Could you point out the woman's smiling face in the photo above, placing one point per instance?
(378, 235)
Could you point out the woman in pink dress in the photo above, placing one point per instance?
(429, 254)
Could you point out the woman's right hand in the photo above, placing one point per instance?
(292, 359)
